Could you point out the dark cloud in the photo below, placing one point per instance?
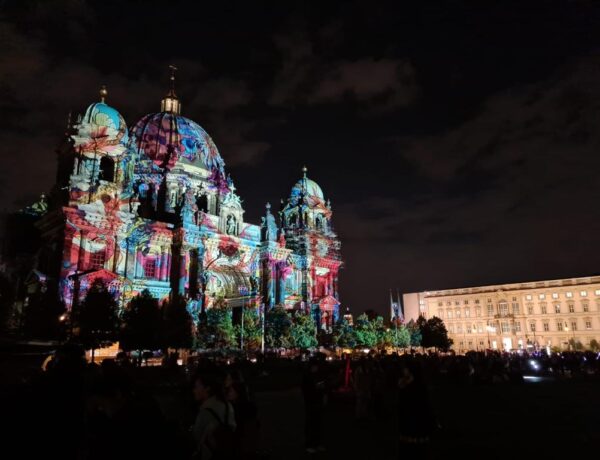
(308, 77)
(458, 145)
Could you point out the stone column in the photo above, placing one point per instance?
(164, 263)
(81, 254)
(182, 270)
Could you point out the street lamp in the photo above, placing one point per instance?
(489, 329)
(573, 335)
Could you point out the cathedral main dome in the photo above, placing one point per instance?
(168, 139)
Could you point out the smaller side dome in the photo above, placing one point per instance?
(103, 121)
(104, 116)
(311, 188)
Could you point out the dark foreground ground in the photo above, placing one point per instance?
(535, 420)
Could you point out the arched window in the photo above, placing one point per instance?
(319, 223)
(107, 169)
(150, 268)
(97, 260)
(202, 203)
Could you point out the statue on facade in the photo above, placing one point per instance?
(231, 225)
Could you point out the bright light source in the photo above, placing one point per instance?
(534, 364)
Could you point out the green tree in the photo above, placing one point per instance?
(141, 324)
(366, 334)
(575, 345)
(435, 334)
(384, 338)
(415, 333)
(252, 329)
(594, 345)
(219, 320)
(97, 318)
(177, 324)
(399, 336)
(344, 335)
(303, 331)
(278, 325)
(42, 315)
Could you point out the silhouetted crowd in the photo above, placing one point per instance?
(207, 410)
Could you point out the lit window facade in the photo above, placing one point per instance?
(541, 320)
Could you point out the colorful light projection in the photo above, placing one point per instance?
(155, 210)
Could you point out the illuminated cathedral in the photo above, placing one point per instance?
(152, 207)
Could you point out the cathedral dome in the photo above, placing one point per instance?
(310, 187)
(168, 139)
(102, 117)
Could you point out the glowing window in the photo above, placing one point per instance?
(555, 295)
(97, 260)
(542, 296)
(597, 292)
(150, 268)
(449, 314)
(503, 306)
(479, 328)
(467, 312)
(569, 294)
(528, 297)
(458, 313)
(583, 293)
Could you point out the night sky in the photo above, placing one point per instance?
(459, 142)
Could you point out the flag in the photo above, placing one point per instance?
(400, 309)
(394, 313)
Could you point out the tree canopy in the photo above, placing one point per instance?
(97, 317)
(177, 324)
(303, 331)
(142, 323)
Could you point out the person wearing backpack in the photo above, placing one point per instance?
(214, 428)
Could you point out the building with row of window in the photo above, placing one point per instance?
(561, 313)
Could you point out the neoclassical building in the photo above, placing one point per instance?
(538, 314)
(151, 206)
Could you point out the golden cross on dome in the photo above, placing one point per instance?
(173, 70)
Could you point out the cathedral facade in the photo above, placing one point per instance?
(151, 207)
